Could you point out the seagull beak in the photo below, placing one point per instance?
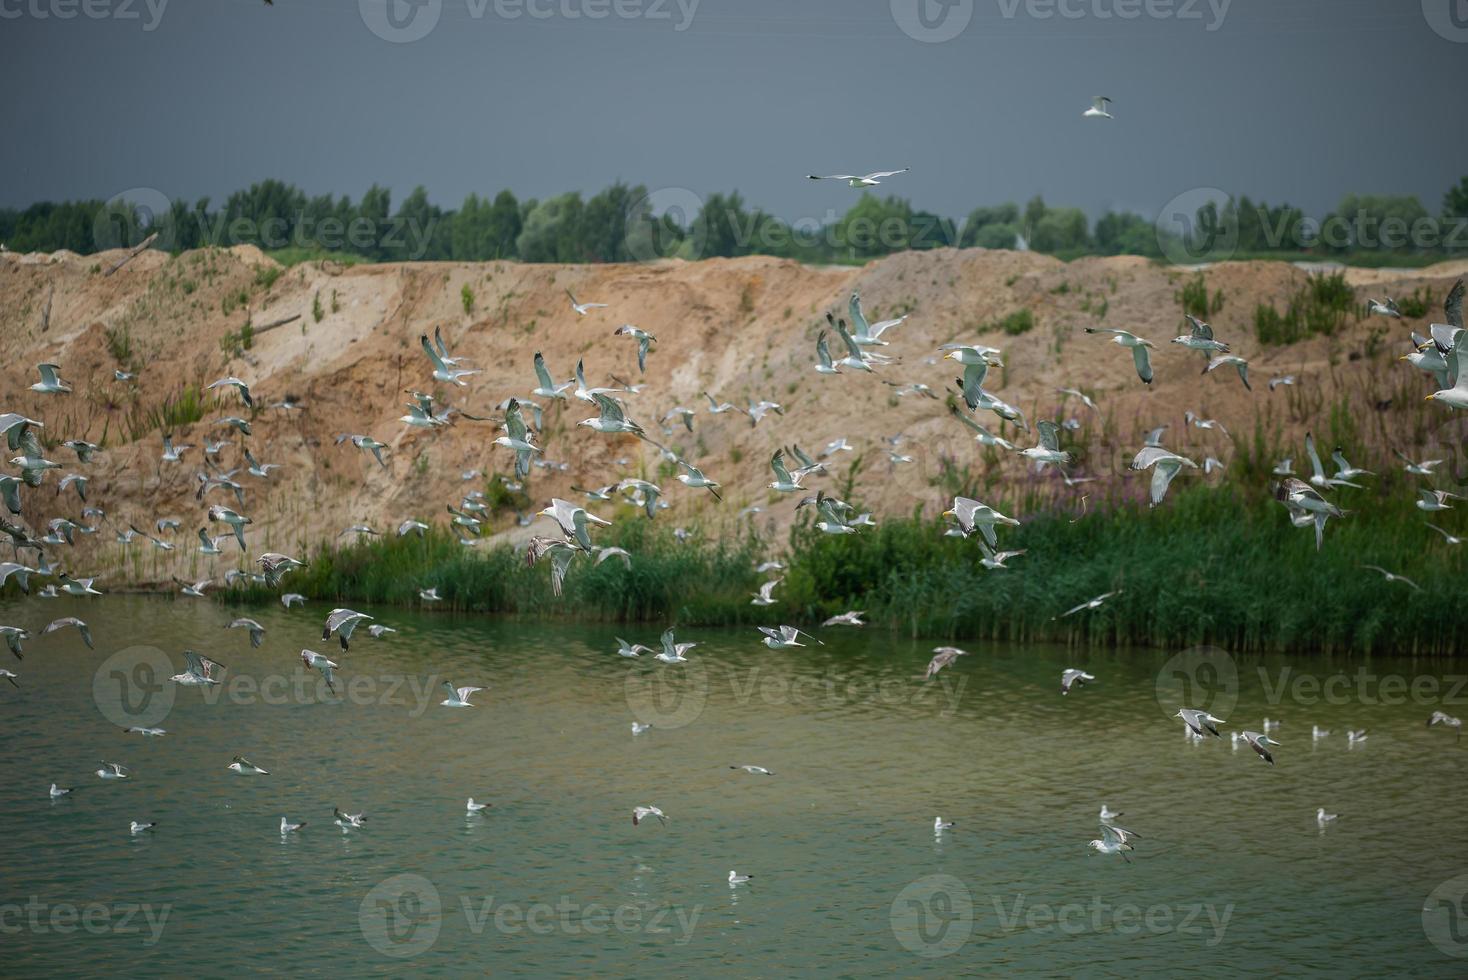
(948, 513)
(1430, 397)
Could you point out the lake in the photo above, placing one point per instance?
(1231, 872)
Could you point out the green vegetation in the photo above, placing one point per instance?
(266, 275)
(317, 313)
(617, 225)
(235, 342)
(1319, 307)
(183, 407)
(466, 297)
(1212, 565)
(1016, 323)
(1196, 301)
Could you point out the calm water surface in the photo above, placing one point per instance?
(1231, 875)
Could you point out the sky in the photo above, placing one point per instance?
(1297, 100)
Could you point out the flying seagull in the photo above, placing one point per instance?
(1166, 465)
(1139, 347)
(342, 622)
(584, 308)
(1090, 603)
(641, 813)
(1099, 106)
(1073, 677)
(867, 180)
(942, 657)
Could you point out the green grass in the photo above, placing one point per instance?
(1016, 323)
(1321, 306)
(1212, 565)
(295, 255)
(183, 407)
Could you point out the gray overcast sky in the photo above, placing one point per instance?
(1298, 100)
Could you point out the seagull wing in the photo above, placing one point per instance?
(1143, 361)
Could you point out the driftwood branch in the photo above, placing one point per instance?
(133, 253)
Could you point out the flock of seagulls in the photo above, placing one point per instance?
(858, 348)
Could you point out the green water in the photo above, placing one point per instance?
(1231, 876)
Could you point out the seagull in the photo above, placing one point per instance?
(845, 619)
(138, 828)
(672, 652)
(641, 813)
(81, 628)
(1437, 499)
(1307, 506)
(1425, 468)
(585, 393)
(1166, 466)
(736, 879)
(1258, 743)
(1140, 357)
(754, 770)
(942, 657)
(286, 827)
(867, 180)
(194, 590)
(472, 807)
(235, 521)
(430, 595)
(1344, 470)
(199, 671)
(442, 371)
(1457, 395)
(1323, 818)
(998, 559)
(275, 566)
(1446, 720)
(783, 482)
(574, 521)
(377, 631)
(316, 661)
(1288, 379)
(1108, 815)
(643, 338)
(612, 418)
(638, 727)
(1090, 603)
(517, 437)
(238, 385)
(584, 308)
(940, 825)
(784, 637)
(982, 435)
(1109, 845)
(1072, 676)
(630, 649)
(458, 696)
(245, 767)
(342, 622)
(1356, 736)
(257, 632)
(868, 334)
(1392, 577)
(1389, 308)
(763, 597)
(13, 637)
(10, 676)
(1099, 105)
(149, 732)
(972, 515)
(57, 791)
(1198, 721)
(1317, 733)
(1048, 450)
(112, 770)
(366, 444)
(824, 364)
(51, 383)
(348, 821)
(695, 479)
(1237, 362)
(1200, 338)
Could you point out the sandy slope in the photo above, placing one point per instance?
(742, 329)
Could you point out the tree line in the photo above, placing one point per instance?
(624, 223)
